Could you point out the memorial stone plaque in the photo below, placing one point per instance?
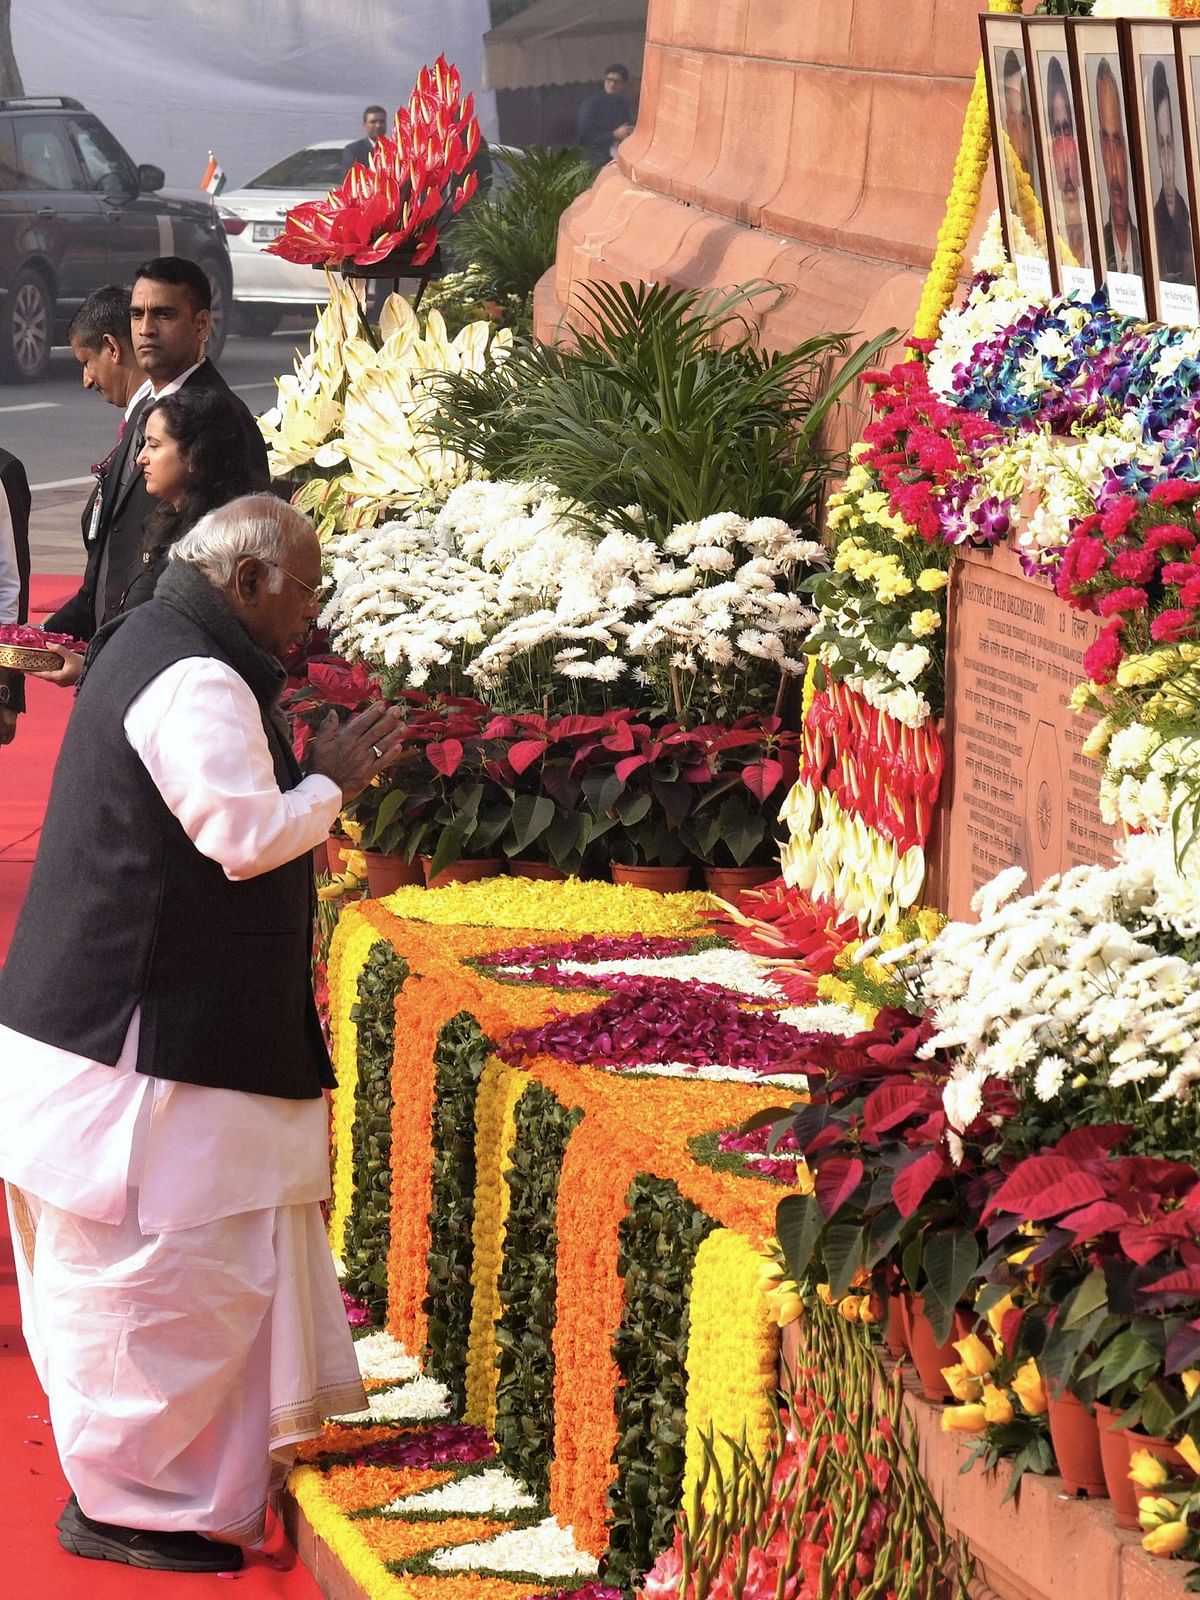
(1018, 790)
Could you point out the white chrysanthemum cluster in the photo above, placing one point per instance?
(1083, 980)
(507, 590)
(420, 1400)
(383, 1359)
(545, 1550)
(492, 1492)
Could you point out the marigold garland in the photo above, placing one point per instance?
(495, 1130)
(733, 1355)
(962, 203)
(397, 1539)
(576, 906)
(348, 952)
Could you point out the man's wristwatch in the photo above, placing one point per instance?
(6, 694)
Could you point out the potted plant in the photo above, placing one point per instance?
(730, 828)
(639, 792)
(550, 832)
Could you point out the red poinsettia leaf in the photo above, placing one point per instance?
(445, 757)
(628, 765)
(836, 1182)
(525, 752)
(1102, 1216)
(763, 777)
(1043, 1185)
(1092, 1144)
(893, 1103)
(1186, 1282)
(913, 1182)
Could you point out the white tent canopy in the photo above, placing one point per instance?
(564, 41)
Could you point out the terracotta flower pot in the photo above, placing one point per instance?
(1114, 1454)
(898, 1314)
(728, 882)
(387, 873)
(461, 871)
(1075, 1436)
(666, 880)
(929, 1357)
(545, 871)
(321, 857)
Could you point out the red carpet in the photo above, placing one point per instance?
(32, 1489)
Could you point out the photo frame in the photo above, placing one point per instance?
(1099, 59)
(1014, 151)
(1156, 118)
(1187, 57)
(1070, 217)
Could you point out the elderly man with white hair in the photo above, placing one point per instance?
(162, 1116)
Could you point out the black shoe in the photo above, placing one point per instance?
(136, 1547)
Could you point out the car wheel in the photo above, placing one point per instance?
(219, 284)
(26, 317)
(256, 321)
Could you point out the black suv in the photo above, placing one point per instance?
(75, 213)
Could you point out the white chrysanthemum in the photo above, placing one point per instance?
(490, 1492)
(422, 1400)
(383, 1359)
(545, 1550)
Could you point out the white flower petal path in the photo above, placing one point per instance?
(384, 1359)
(545, 1550)
(422, 1400)
(493, 1491)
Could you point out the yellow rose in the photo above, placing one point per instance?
(963, 1384)
(1155, 1509)
(356, 864)
(931, 580)
(964, 1419)
(787, 1308)
(924, 623)
(1188, 1450)
(997, 1313)
(1191, 1381)
(848, 1306)
(1167, 1540)
(996, 1404)
(824, 1294)
(1029, 1389)
(352, 829)
(976, 1356)
(1018, 1256)
(1146, 1470)
(771, 1270)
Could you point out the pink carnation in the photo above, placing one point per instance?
(1173, 490)
(1117, 517)
(1134, 566)
(1165, 533)
(1102, 658)
(1118, 600)
(1169, 626)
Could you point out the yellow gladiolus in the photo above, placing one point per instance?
(964, 1419)
(1146, 1470)
(1029, 1389)
(964, 1384)
(1166, 1540)
(996, 1404)
(976, 1356)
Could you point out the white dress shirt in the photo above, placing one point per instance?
(79, 1133)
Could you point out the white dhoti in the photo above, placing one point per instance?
(182, 1368)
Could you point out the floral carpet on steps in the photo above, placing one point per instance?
(415, 1504)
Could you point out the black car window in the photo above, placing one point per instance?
(105, 164)
(43, 155)
(9, 177)
(305, 169)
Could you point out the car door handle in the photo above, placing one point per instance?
(46, 211)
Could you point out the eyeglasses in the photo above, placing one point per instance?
(307, 587)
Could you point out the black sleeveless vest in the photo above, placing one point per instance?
(124, 911)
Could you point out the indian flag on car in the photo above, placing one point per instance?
(213, 180)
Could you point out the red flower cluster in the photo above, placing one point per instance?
(800, 936)
(27, 638)
(591, 947)
(1137, 564)
(920, 446)
(415, 179)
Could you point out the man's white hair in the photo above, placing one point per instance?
(259, 525)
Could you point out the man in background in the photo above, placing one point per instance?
(1122, 248)
(1064, 160)
(1172, 222)
(374, 128)
(605, 118)
(14, 580)
(170, 319)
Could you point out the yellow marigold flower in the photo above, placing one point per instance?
(1166, 1540)
(1029, 1389)
(932, 579)
(1146, 1470)
(964, 1419)
(976, 1356)
(963, 1384)
(923, 623)
(997, 1406)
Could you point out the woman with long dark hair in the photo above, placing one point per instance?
(194, 460)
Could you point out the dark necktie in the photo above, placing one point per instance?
(131, 427)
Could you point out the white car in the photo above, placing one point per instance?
(264, 286)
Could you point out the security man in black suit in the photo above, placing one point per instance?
(374, 128)
(170, 320)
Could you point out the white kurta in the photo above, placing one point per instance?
(178, 1294)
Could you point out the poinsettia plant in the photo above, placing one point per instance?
(750, 764)
(414, 181)
(640, 784)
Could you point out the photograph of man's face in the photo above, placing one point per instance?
(1067, 198)
(1172, 220)
(1018, 123)
(1122, 248)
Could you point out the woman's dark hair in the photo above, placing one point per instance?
(207, 432)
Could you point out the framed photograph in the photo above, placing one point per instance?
(1156, 119)
(1071, 230)
(1098, 64)
(1014, 151)
(1187, 58)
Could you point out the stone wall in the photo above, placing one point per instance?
(807, 142)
